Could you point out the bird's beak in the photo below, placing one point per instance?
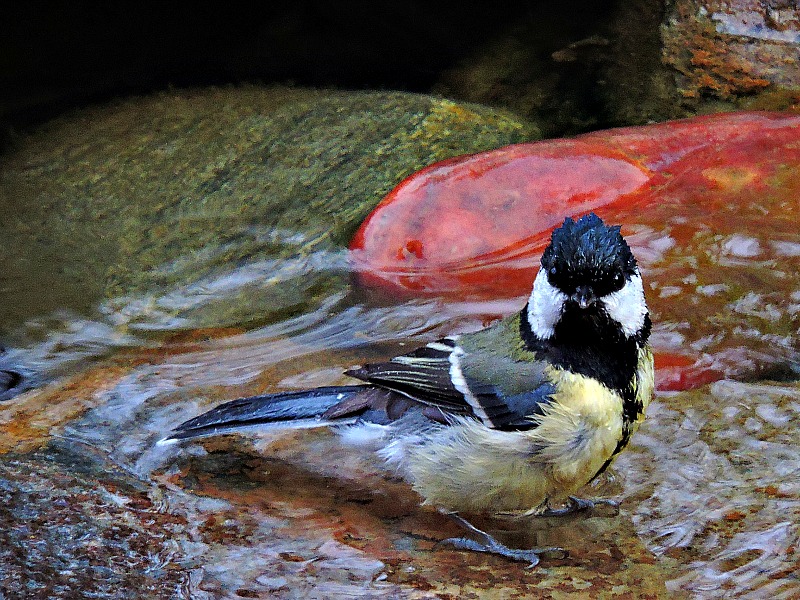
(584, 296)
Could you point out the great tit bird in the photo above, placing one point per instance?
(510, 418)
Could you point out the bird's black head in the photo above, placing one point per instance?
(587, 259)
(587, 312)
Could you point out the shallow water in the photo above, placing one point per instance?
(709, 487)
(89, 504)
(714, 481)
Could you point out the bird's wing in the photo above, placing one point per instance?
(487, 375)
(423, 375)
(500, 389)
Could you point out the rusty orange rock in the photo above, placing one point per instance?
(709, 205)
(470, 220)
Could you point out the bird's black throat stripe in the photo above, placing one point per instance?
(591, 344)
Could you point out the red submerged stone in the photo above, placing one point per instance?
(709, 205)
(469, 221)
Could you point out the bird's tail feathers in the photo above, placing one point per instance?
(291, 410)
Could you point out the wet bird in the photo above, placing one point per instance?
(515, 417)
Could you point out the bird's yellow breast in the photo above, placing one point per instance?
(470, 467)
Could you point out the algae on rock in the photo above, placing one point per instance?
(151, 195)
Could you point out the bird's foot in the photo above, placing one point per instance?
(492, 546)
(583, 505)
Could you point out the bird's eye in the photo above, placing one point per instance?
(553, 271)
(618, 279)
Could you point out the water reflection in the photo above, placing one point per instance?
(714, 481)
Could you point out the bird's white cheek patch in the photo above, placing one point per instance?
(627, 306)
(545, 306)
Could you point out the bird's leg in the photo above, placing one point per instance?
(580, 505)
(491, 545)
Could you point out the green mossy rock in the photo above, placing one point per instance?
(153, 194)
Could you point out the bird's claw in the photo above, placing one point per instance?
(492, 546)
